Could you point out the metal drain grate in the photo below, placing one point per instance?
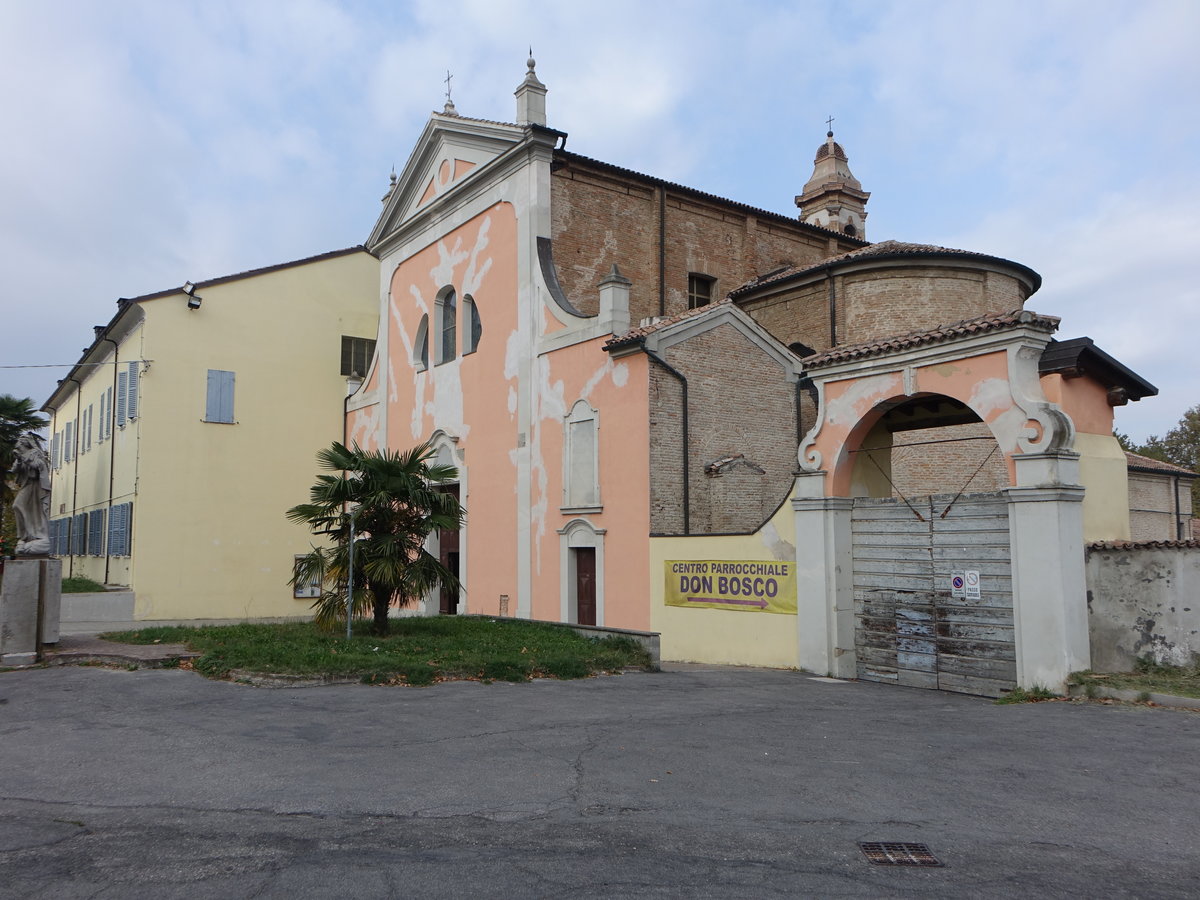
(893, 853)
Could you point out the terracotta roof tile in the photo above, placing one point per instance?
(1146, 463)
(881, 250)
(1146, 545)
(569, 155)
(635, 335)
(980, 325)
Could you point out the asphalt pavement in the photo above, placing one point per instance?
(694, 782)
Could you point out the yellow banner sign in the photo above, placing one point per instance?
(743, 585)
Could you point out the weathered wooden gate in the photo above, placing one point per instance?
(909, 629)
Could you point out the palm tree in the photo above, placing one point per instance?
(17, 417)
(395, 505)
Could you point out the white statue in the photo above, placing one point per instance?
(31, 508)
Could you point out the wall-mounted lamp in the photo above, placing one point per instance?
(190, 290)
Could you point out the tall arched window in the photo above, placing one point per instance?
(421, 345)
(447, 325)
(473, 328)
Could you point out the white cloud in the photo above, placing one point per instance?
(155, 142)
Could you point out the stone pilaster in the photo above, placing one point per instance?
(1045, 514)
(824, 578)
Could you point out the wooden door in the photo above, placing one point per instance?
(585, 585)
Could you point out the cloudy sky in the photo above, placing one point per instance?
(149, 143)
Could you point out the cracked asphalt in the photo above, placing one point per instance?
(694, 782)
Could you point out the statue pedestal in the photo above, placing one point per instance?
(30, 602)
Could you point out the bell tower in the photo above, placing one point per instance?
(833, 198)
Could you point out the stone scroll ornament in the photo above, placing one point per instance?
(31, 508)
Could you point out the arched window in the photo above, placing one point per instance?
(474, 328)
(581, 469)
(421, 345)
(447, 325)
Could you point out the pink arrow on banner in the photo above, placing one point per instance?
(761, 604)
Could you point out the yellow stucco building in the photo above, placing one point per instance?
(191, 424)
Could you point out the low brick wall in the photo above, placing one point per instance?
(1143, 600)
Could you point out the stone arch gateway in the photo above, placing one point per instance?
(989, 367)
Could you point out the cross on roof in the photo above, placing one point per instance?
(829, 122)
(448, 77)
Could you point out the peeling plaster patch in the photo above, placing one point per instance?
(448, 260)
(945, 370)
(1008, 428)
(992, 400)
(475, 273)
(365, 428)
(778, 547)
(991, 395)
(848, 409)
(514, 349)
(551, 396)
(512, 401)
(447, 406)
(617, 370)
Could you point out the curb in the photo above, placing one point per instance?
(1102, 692)
(274, 680)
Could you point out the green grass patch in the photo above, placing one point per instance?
(1031, 695)
(419, 650)
(1147, 677)
(78, 584)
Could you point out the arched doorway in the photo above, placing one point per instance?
(924, 538)
(985, 369)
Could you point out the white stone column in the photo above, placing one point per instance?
(824, 578)
(1045, 519)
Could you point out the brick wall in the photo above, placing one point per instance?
(801, 315)
(740, 402)
(1152, 512)
(920, 468)
(882, 302)
(599, 217)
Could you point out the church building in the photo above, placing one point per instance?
(678, 413)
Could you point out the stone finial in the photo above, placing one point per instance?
(531, 96)
(391, 186)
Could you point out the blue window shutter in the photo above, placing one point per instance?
(122, 387)
(219, 403)
(55, 447)
(103, 408)
(68, 442)
(133, 389)
(118, 529)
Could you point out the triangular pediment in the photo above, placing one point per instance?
(450, 151)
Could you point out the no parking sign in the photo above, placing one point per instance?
(965, 584)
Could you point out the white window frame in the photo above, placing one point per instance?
(581, 412)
